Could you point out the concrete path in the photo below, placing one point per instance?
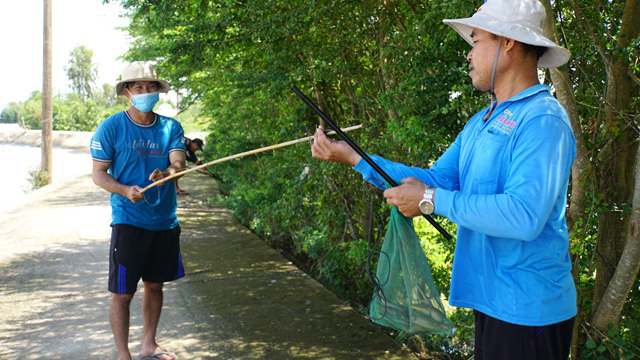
(239, 300)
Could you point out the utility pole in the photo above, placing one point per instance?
(47, 96)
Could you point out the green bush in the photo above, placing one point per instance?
(37, 178)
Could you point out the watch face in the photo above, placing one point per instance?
(426, 207)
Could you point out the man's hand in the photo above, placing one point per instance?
(156, 175)
(133, 193)
(102, 178)
(406, 196)
(326, 149)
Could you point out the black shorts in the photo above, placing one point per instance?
(499, 340)
(138, 253)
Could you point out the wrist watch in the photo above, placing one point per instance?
(426, 205)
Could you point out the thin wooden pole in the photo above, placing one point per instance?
(47, 97)
(236, 156)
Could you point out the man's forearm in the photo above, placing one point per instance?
(109, 183)
(178, 163)
(176, 166)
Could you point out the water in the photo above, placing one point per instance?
(17, 160)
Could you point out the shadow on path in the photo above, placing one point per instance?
(240, 299)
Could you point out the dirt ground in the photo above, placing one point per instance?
(240, 298)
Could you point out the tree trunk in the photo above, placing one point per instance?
(564, 93)
(582, 166)
(618, 160)
(616, 187)
(627, 270)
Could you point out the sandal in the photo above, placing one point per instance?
(157, 354)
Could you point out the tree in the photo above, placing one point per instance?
(11, 113)
(604, 115)
(81, 71)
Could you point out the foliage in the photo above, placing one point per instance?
(81, 71)
(612, 345)
(604, 62)
(392, 66)
(70, 112)
(192, 119)
(38, 178)
(10, 114)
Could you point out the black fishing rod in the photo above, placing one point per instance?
(364, 155)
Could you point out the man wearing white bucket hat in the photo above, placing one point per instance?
(130, 150)
(504, 183)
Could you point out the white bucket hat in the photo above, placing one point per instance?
(520, 20)
(141, 71)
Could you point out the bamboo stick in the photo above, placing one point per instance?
(236, 156)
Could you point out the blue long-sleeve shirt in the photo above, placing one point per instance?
(504, 183)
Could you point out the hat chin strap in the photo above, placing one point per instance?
(493, 78)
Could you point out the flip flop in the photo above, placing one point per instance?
(155, 356)
(182, 192)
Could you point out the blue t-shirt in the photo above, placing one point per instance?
(134, 151)
(504, 183)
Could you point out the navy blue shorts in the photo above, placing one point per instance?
(499, 340)
(139, 253)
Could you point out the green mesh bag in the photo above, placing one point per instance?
(406, 298)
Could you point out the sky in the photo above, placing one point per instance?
(74, 23)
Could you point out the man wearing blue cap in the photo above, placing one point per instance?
(504, 183)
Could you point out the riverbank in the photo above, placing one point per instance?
(13, 134)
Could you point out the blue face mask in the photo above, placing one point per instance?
(145, 102)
